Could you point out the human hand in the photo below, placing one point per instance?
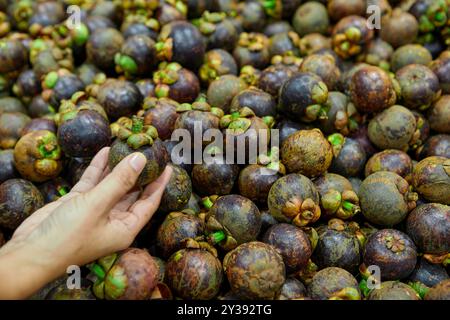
(102, 214)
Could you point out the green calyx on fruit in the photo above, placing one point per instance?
(337, 141)
(346, 44)
(419, 288)
(51, 79)
(208, 202)
(125, 63)
(200, 105)
(110, 276)
(342, 205)
(273, 8)
(252, 41)
(250, 75)
(207, 23)
(238, 122)
(166, 75)
(348, 293)
(164, 49)
(312, 235)
(219, 235)
(134, 132)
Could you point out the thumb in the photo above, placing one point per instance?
(118, 183)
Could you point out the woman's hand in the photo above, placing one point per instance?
(102, 214)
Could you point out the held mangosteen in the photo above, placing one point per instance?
(83, 127)
(129, 275)
(119, 98)
(18, 200)
(392, 251)
(303, 96)
(339, 245)
(431, 179)
(334, 283)
(306, 152)
(11, 126)
(391, 160)
(292, 243)
(37, 156)
(255, 270)
(175, 82)
(177, 192)
(386, 198)
(371, 89)
(337, 198)
(393, 290)
(54, 189)
(349, 156)
(134, 136)
(194, 274)
(7, 168)
(217, 63)
(231, 221)
(428, 227)
(176, 230)
(294, 198)
(181, 42)
(160, 113)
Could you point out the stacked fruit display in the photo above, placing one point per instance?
(351, 197)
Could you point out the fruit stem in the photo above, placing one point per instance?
(207, 203)
(217, 237)
(97, 270)
(336, 139)
(62, 191)
(138, 124)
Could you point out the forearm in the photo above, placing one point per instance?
(24, 269)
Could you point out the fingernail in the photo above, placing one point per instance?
(137, 162)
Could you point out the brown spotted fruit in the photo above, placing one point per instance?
(428, 226)
(38, 157)
(177, 191)
(292, 243)
(18, 200)
(11, 126)
(160, 113)
(394, 128)
(255, 270)
(440, 291)
(231, 221)
(339, 245)
(129, 275)
(294, 198)
(391, 160)
(194, 274)
(306, 152)
(334, 284)
(386, 198)
(177, 228)
(134, 136)
(392, 251)
(393, 290)
(431, 179)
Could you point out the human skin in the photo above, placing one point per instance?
(102, 214)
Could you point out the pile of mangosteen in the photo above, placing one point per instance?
(349, 196)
